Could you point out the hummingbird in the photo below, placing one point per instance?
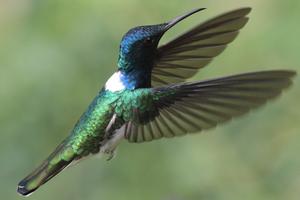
(148, 97)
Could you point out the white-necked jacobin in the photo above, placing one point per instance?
(147, 98)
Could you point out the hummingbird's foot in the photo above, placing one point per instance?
(110, 154)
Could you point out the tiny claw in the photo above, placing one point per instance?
(111, 154)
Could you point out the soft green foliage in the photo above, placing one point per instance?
(54, 57)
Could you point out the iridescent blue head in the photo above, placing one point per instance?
(138, 51)
(139, 45)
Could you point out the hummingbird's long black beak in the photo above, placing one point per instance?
(174, 21)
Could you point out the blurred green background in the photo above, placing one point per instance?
(56, 54)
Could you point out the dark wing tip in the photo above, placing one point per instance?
(292, 73)
(286, 73)
(244, 10)
(239, 12)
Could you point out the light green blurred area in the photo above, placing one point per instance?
(54, 57)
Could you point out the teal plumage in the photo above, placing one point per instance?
(148, 98)
(92, 124)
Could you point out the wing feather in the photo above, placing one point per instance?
(182, 57)
(191, 107)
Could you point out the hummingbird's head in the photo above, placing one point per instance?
(139, 45)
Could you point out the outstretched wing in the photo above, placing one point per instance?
(191, 107)
(182, 57)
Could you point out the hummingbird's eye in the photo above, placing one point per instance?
(149, 41)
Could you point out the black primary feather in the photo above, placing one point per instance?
(192, 107)
(182, 57)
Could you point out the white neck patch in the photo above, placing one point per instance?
(114, 83)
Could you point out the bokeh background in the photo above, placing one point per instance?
(56, 54)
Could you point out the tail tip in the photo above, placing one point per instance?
(22, 189)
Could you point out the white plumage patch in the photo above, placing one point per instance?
(114, 83)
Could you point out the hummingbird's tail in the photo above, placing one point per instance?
(55, 163)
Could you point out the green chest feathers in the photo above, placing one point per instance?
(133, 104)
